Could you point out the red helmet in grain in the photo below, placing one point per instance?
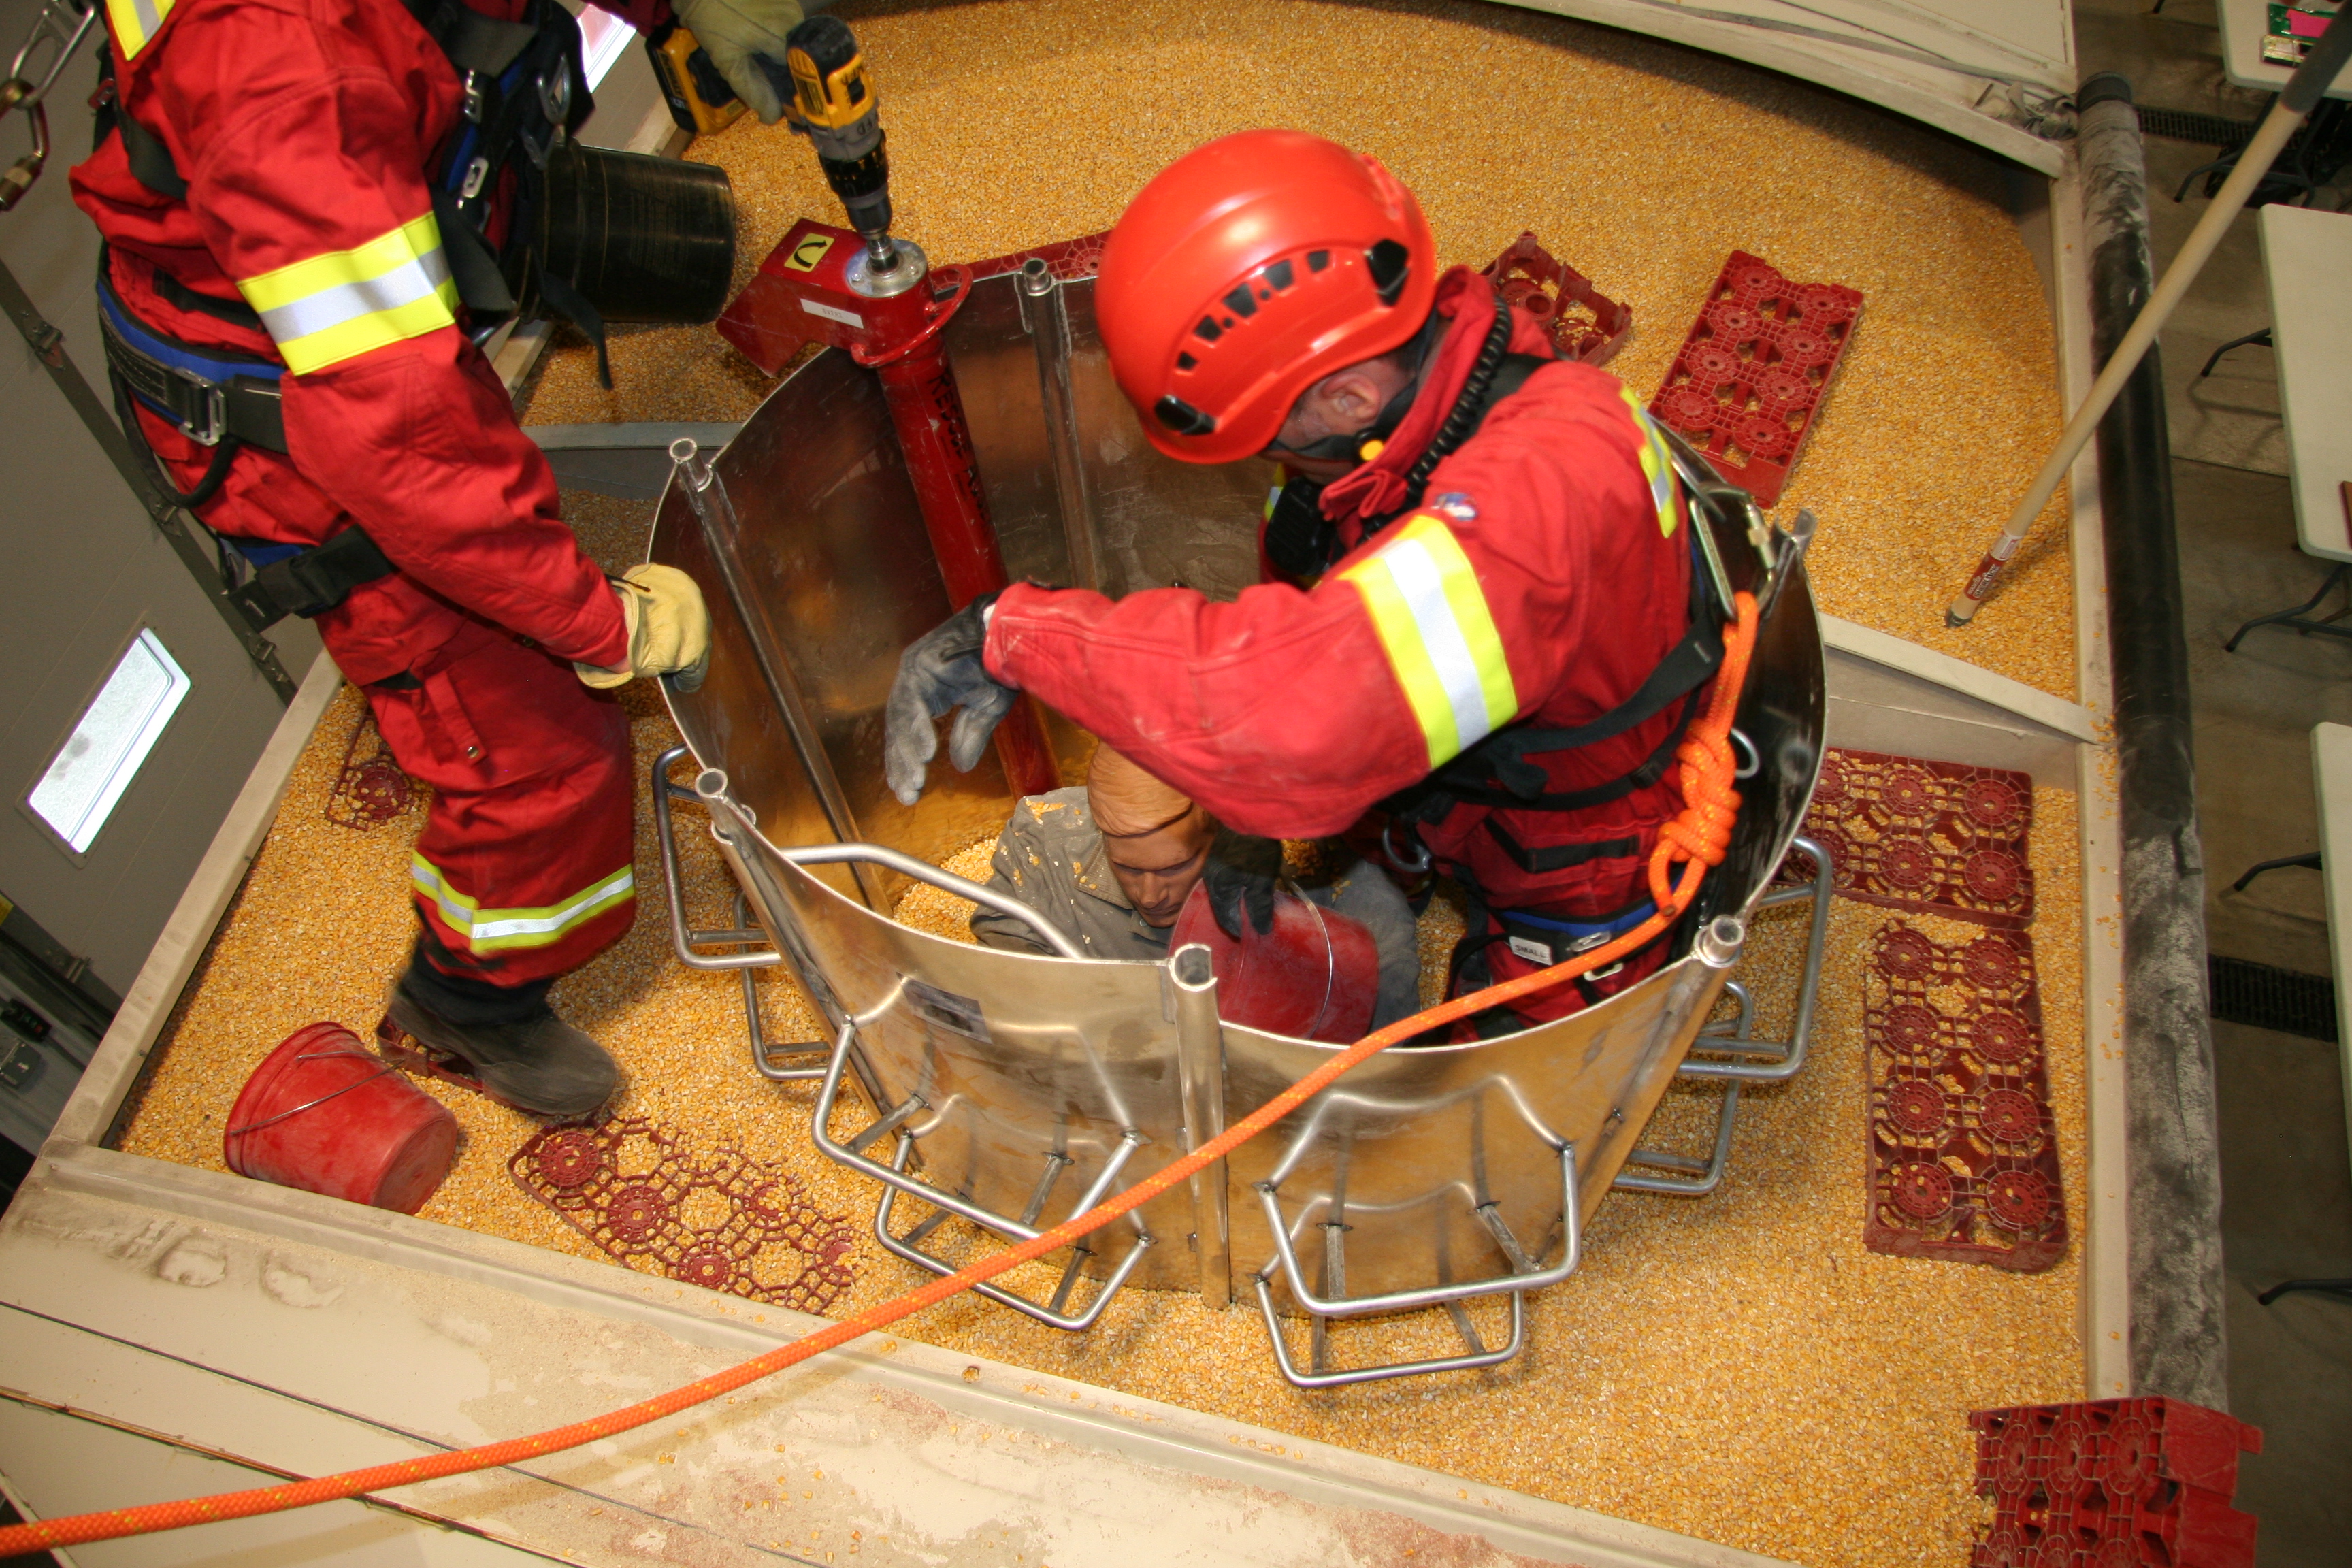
(1248, 270)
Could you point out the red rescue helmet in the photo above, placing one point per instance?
(1245, 272)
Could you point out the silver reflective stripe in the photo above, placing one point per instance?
(1422, 588)
(332, 307)
(149, 17)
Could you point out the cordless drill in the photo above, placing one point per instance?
(838, 105)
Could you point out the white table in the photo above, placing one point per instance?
(2308, 262)
(2331, 769)
(2243, 25)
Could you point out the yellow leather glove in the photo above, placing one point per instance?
(739, 34)
(669, 630)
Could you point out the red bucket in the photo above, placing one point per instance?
(323, 1113)
(1316, 976)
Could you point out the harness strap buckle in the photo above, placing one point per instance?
(207, 421)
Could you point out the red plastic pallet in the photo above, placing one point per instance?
(1963, 1147)
(370, 790)
(1753, 371)
(718, 1220)
(1586, 324)
(1940, 839)
(2113, 1483)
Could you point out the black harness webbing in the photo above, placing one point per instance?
(314, 581)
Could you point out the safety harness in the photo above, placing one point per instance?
(524, 89)
(1504, 770)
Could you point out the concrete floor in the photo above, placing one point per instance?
(2286, 1181)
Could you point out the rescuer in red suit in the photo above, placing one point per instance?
(269, 215)
(1489, 632)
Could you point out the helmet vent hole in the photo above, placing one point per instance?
(1281, 275)
(1182, 416)
(1389, 262)
(1240, 303)
(1209, 330)
(1316, 261)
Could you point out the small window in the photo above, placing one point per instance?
(103, 754)
(604, 38)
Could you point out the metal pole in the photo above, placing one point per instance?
(1201, 1075)
(1046, 314)
(927, 411)
(48, 346)
(2302, 94)
(2179, 1294)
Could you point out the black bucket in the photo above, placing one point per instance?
(644, 239)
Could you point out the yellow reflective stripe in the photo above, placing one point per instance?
(490, 931)
(136, 21)
(1657, 463)
(324, 309)
(1433, 623)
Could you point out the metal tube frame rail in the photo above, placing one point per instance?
(1696, 1178)
(895, 1180)
(1526, 1276)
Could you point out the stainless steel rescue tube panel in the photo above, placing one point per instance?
(1019, 1079)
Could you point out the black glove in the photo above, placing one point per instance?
(941, 671)
(1240, 874)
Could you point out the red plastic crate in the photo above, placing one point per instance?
(1586, 324)
(1754, 368)
(2113, 1483)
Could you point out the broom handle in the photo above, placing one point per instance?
(2310, 82)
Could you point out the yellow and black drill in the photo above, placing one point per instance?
(837, 105)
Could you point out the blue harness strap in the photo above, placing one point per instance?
(208, 392)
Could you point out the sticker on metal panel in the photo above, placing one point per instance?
(846, 318)
(809, 252)
(948, 1010)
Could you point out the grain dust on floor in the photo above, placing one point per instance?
(1739, 1368)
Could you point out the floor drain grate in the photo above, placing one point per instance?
(2206, 130)
(2269, 998)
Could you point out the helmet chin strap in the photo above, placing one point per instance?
(1349, 446)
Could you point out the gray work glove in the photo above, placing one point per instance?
(1241, 873)
(939, 672)
(737, 34)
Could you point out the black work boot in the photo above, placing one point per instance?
(529, 1059)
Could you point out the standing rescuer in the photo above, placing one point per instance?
(307, 207)
(1492, 631)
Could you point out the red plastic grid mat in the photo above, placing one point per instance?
(1586, 324)
(2113, 1483)
(1940, 839)
(1963, 1146)
(1751, 375)
(370, 790)
(714, 1218)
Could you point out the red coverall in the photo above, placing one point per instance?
(304, 129)
(1542, 579)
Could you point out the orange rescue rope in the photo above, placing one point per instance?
(1696, 840)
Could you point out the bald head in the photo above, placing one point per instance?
(1127, 801)
(1155, 837)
